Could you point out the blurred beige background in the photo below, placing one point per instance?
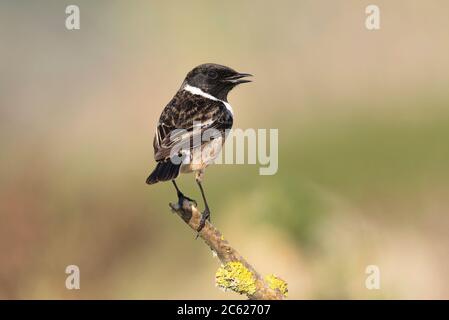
(363, 125)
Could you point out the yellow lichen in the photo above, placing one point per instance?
(236, 277)
(276, 283)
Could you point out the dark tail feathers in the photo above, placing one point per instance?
(165, 170)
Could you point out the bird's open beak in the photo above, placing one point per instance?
(238, 78)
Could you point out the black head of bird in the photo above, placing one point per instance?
(215, 79)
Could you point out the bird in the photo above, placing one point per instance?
(181, 143)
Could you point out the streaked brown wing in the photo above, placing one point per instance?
(184, 121)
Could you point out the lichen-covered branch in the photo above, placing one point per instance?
(235, 273)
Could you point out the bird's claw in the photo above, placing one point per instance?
(205, 215)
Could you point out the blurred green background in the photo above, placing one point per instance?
(363, 123)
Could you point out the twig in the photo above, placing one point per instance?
(215, 240)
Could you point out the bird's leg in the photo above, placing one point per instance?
(206, 213)
(181, 196)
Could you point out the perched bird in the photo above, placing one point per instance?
(200, 106)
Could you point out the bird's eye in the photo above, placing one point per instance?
(212, 74)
